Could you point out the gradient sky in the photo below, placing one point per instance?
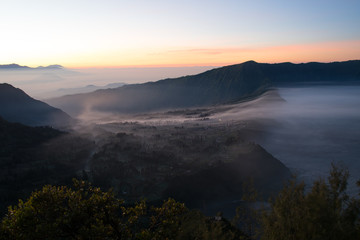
(115, 33)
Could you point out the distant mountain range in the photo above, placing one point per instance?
(17, 106)
(217, 86)
(86, 89)
(14, 66)
(312, 72)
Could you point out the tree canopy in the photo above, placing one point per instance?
(325, 211)
(86, 212)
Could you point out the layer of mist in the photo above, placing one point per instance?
(45, 83)
(316, 126)
(160, 154)
(306, 127)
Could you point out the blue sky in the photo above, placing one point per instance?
(160, 33)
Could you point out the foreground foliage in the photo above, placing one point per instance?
(88, 213)
(324, 212)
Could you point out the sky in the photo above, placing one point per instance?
(160, 33)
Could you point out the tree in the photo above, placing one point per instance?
(325, 212)
(247, 214)
(64, 213)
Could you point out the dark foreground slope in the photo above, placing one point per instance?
(224, 180)
(17, 106)
(15, 136)
(18, 145)
(217, 86)
(31, 157)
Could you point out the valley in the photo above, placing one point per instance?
(180, 120)
(197, 139)
(197, 161)
(199, 156)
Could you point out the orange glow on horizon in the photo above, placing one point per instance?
(152, 66)
(192, 57)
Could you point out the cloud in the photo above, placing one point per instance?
(212, 51)
(319, 51)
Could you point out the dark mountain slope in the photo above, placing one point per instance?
(222, 182)
(31, 157)
(20, 133)
(17, 106)
(217, 86)
(15, 136)
(18, 148)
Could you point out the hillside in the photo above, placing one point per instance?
(19, 144)
(31, 157)
(202, 165)
(217, 86)
(312, 72)
(15, 136)
(17, 106)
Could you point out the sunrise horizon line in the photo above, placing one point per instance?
(172, 65)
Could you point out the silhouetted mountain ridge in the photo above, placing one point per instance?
(14, 66)
(216, 86)
(17, 106)
(312, 72)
